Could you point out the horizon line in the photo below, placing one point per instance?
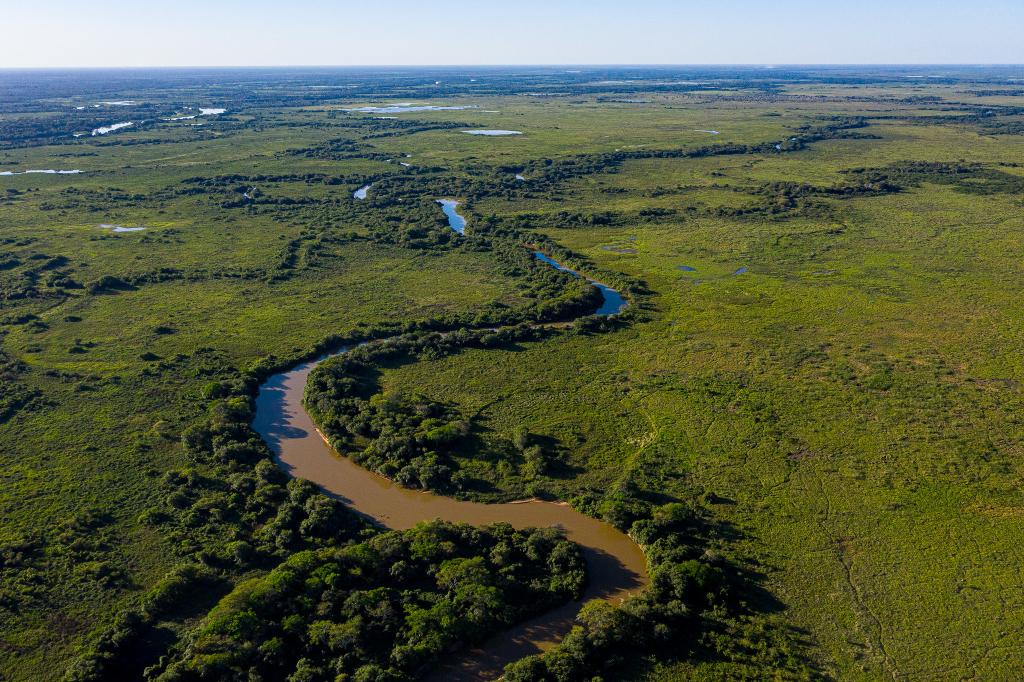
(767, 66)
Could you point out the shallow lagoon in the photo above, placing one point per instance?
(202, 112)
(493, 133)
(111, 128)
(44, 172)
(121, 228)
(455, 221)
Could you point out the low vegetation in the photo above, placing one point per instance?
(807, 417)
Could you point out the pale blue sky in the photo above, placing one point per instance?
(322, 32)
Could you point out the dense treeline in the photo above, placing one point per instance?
(56, 125)
(234, 180)
(231, 512)
(547, 176)
(686, 583)
(384, 609)
(789, 199)
(338, 150)
(986, 119)
(696, 607)
(393, 128)
(234, 511)
(785, 197)
(970, 178)
(556, 171)
(58, 128)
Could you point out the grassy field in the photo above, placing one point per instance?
(850, 401)
(837, 382)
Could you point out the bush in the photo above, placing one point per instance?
(173, 589)
(107, 284)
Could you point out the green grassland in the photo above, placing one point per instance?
(851, 401)
(846, 410)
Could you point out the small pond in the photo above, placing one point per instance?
(112, 127)
(455, 221)
(493, 133)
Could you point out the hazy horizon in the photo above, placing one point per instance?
(261, 33)
(468, 65)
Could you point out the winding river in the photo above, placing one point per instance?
(616, 565)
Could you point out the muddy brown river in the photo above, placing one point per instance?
(616, 566)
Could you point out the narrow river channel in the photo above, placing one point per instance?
(616, 566)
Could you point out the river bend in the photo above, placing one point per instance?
(616, 566)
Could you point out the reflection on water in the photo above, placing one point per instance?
(455, 221)
(44, 172)
(614, 302)
(112, 127)
(493, 133)
(212, 111)
(121, 228)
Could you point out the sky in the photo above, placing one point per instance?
(136, 33)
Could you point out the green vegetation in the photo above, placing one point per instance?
(813, 429)
(383, 609)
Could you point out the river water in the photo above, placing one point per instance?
(614, 302)
(616, 566)
(455, 221)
